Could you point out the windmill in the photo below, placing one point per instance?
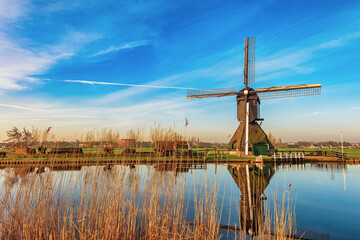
(248, 102)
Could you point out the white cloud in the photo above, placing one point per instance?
(295, 61)
(355, 107)
(125, 46)
(339, 42)
(12, 9)
(82, 117)
(22, 107)
(313, 114)
(20, 58)
(19, 63)
(281, 61)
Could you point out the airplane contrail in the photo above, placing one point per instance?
(22, 107)
(126, 84)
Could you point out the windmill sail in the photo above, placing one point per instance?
(251, 61)
(216, 92)
(289, 91)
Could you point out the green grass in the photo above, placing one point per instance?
(349, 152)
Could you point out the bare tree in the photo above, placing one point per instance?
(27, 139)
(17, 138)
(272, 138)
(158, 133)
(14, 137)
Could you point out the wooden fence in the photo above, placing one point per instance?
(318, 153)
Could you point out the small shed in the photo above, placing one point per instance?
(127, 143)
(169, 147)
(24, 150)
(260, 150)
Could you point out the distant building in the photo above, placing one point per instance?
(293, 145)
(127, 143)
(314, 146)
(168, 148)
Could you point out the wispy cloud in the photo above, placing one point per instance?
(13, 9)
(313, 114)
(338, 42)
(18, 64)
(125, 46)
(46, 112)
(355, 107)
(296, 61)
(22, 107)
(279, 61)
(81, 116)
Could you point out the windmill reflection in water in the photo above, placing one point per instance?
(251, 180)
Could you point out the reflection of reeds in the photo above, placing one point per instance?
(121, 202)
(280, 217)
(116, 203)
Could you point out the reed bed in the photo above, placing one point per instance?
(128, 202)
(98, 203)
(280, 219)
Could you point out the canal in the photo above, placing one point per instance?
(312, 201)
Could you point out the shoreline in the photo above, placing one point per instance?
(83, 161)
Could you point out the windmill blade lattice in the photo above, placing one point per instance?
(290, 92)
(216, 92)
(251, 60)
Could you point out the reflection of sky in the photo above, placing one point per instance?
(322, 205)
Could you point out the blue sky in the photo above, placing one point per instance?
(47, 45)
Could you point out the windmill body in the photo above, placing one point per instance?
(254, 106)
(249, 132)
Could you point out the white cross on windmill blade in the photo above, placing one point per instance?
(248, 102)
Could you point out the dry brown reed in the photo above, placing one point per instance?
(119, 202)
(280, 219)
(95, 203)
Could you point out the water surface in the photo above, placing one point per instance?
(325, 198)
